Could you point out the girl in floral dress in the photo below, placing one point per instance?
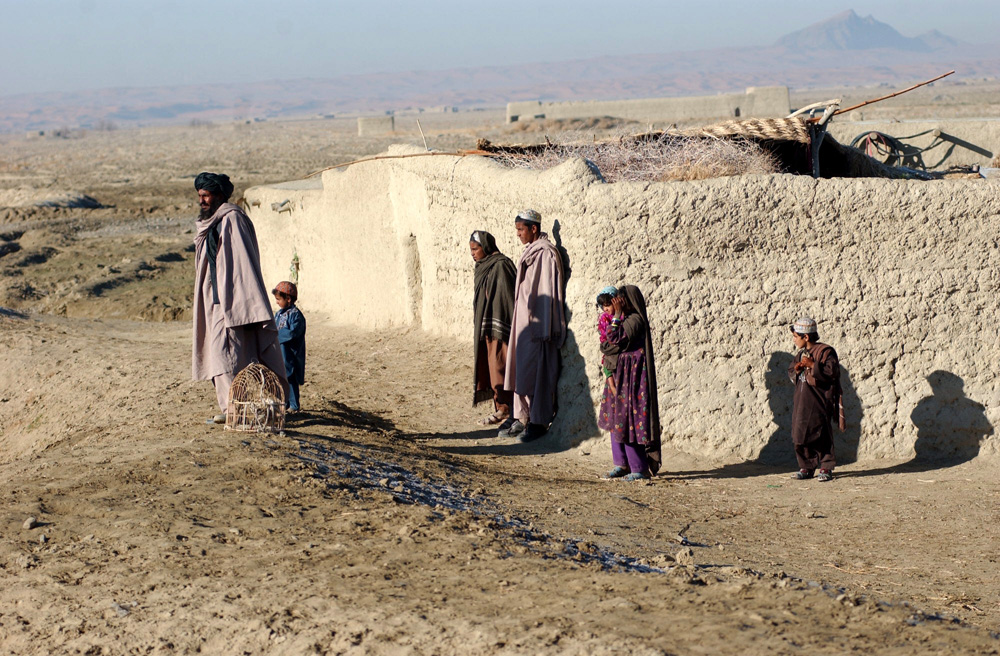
(629, 408)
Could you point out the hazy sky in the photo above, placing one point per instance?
(66, 45)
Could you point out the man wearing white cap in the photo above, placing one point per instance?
(538, 330)
(815, 370)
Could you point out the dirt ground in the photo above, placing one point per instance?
(385, 520)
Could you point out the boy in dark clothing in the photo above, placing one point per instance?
(292, 338)
(816, 374)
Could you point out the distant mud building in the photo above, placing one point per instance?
(376, 125)
(755, 102)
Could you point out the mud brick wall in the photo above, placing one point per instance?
(903, 277)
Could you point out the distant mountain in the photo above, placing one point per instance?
(845, 50)
(848, 31)
(935, 40)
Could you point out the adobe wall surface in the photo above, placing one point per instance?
(963, 142)
(903, 277)
(757, 101)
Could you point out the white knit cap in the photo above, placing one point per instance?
(805, 326)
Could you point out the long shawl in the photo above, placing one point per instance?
(549, 315)
(242, 296)
(538, 326)
(493, 302)
(637, 301)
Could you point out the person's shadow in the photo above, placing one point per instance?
(777, 451)
(575, 416)
(950, 426)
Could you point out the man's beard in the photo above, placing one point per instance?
(207, 212)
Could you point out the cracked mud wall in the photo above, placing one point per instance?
(902, 276)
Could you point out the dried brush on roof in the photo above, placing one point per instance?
(664, 157)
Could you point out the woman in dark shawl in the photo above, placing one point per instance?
(493, 304)
(630, 409)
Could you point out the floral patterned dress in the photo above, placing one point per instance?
(625, 411)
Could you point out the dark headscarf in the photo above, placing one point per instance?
(485, 240)
(217, 183)
(638, 303)
(493, 302)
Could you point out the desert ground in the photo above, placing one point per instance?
(384, 520)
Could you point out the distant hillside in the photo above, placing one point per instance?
(845, 50)
(848, 31)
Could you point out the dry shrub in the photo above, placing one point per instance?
(667, 157)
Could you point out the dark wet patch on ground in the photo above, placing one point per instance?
(355, 472)
(343, 470)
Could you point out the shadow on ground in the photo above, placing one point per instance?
(332, 413)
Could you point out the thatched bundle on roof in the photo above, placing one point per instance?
(788, 140)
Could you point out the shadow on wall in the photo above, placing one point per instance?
(576, 418)
(950, 426)
(778, 450)
(567, 268)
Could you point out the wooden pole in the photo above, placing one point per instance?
(891, 95)
(422, 135)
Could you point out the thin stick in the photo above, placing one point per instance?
(456, 153)
(422, 135)
(891, 95)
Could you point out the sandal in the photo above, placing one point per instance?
(637, 476)
(802, 474)
(493, 419)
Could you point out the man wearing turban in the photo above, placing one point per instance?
(233, 322)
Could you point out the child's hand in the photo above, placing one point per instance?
(807, 362)
(618, 303)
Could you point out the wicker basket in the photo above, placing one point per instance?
(256, 402)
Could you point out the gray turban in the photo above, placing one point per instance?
(217, 183)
